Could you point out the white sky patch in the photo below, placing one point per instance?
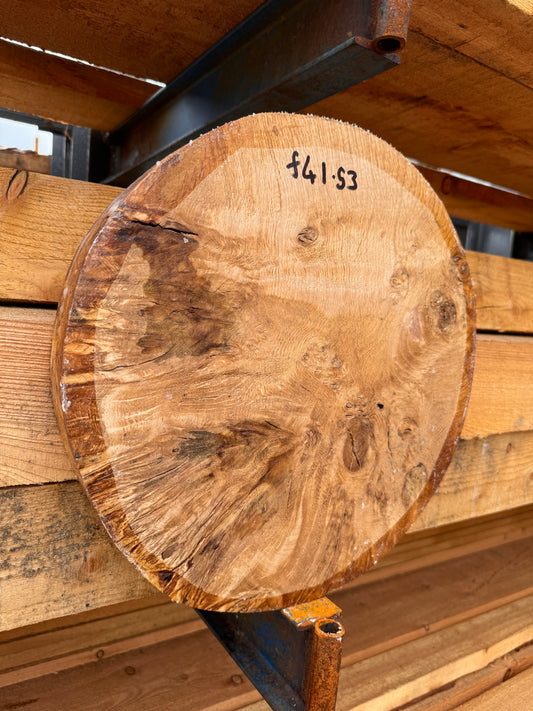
(25, 137)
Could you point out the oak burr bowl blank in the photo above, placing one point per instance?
(262, 360)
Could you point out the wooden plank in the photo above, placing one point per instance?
(468, 687)
(514, 694)
(487, 474)
(480, 203)
(435, 545)
(377, 616)
(58, 559)
(186, 673)
(195, 670)
(95, 614)
(38, 243)
(504, 292)
(169, 37)
(36, 655)
(438, 108)
(502, 398)
(42, 221)
(24, 160)
(399, 675)
(67, 91)
(495, 35)
(31, 450)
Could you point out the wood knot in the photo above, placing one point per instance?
(16, 185)
(400, 279)
(307, 236)
(406, 428)
(444, 310)
(447, 184)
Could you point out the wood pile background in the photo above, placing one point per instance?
(445, 621)
(448, 611)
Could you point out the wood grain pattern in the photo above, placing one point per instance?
(495, 35)
(41, 228)
(153, 39)
(31, 449)
(42, 222)
(58, 559)
(438, 107)
(503, 287)
(261, 379)
(468, 687)
(480, 203)
(486, 474)
(508, 397)
(66, 91)
(517, 693)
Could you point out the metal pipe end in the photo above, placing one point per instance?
(388, 44)
(329, 629)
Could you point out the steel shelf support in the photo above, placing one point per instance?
(285, 56)
(292, 656)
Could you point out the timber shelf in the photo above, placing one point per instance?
(444, 620)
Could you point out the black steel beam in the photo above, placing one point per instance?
(285, 56)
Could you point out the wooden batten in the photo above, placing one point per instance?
(480, 203)
(515, 694)
(38, 245)
(111, 35)
(441, 623)
(67, 91)
(24, 160)
(43, 220)
(33, 451)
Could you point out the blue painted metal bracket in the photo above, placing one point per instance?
(285, 56)
(292, 656)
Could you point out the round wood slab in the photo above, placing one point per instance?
(262, 360)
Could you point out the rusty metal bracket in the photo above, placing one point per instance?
(292, 656)
(285, 56)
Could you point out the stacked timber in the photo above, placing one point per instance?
(439, 622)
